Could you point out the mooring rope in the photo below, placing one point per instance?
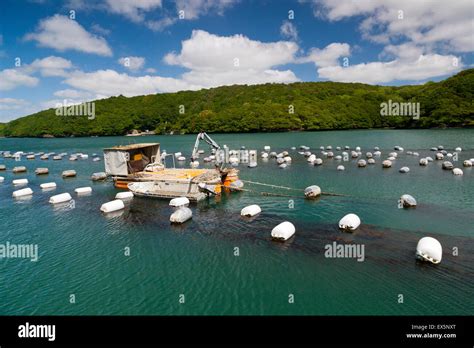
(285, 188)
(261, 183)
(269, 193)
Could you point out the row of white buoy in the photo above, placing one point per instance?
(46, 156)
(118, 203)
(60, 198)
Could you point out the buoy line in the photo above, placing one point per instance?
(269, 193)
(286, 188)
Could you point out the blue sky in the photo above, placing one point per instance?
(140, 47)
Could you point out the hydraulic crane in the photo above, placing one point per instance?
(207, 139)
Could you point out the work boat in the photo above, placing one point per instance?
(141, 169)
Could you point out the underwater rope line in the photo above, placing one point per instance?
(286, 188)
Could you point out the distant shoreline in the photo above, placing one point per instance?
(239, 132)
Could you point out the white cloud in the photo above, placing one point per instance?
(132, 9)
(12, 103)
(257, 64)
(329, 55)
(13, 78)
(72, 94)
(132, 63)
(223, 60)
(138, 11)
(443, 24)
(421, 68)
(288, 31)
(161, 24)
(109, 83)
(151, 71)
(61, 33)
(51, 66)
(100, 29)
(193, 9)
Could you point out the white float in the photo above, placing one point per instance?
(404, 170)
(179, 202)
(267, 148)
(458, 149)
(61, 198)
(350, 222)
(19, 169)
(408, 201)
(423, 162)
(457, 171)
(467, 163)
(371, 161)
(181, 158)
(17, 182)
(439, 156)
(429, 249)
(83, 190)
(311, 158)
(340, 167)
(181, 215)
(41, 171)
(251, 210)
(283, 231)
(362, 163)
(48, 185)
(98, 176)
(23, 192)
(287, 159)
(124, 195)
(69, 173)
(2, 179)
(318, 161)
(447, 165)
(387, 164)
(312, 191)
(111, 206)
(283, 165)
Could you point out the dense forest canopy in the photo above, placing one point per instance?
(263, 108)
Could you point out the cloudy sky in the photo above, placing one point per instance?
(79, 50)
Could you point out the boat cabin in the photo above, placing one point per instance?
(129, 159)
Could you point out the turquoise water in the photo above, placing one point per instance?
(82, 251)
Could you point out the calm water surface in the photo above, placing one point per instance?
(82, 251)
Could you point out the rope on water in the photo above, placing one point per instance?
(286, 188)
(261, 183)
(269, 193)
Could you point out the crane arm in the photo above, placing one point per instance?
(207, 139)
